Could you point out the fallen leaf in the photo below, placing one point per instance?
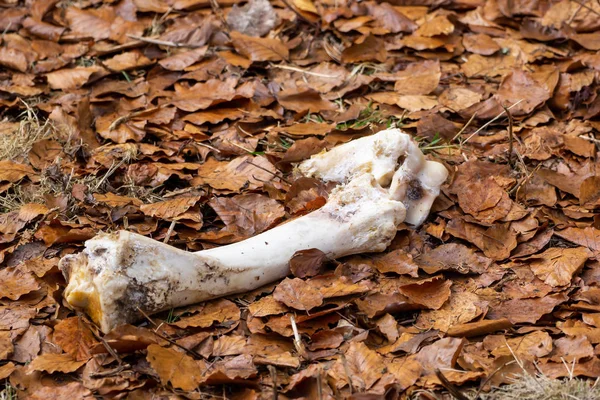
(440, 355)
(72, 78)
(306, 263)
(431, 293)
(259, 49)
(528, 347)
(221, 312)
(418, 78)
(6, 345)
(250, 172)
(247, 215)
(75, 338)
(171, 208)
(479, 328)
(397, 261)
(175, 367)
(13, 172)
(15, 283)
(266, 306)
(556, 266)
(298, 294)
(588, 237)
(364, 367)
(55, 363)
(455, 257)
(367, 48)
(526, 310)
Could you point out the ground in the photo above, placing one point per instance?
(182, 120)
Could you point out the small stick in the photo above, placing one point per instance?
(464, 127)
(160, 42)
(490, 122)
(272, 173)
(169, 232)
(454, 391)
(288, 67)
(297, 339)
(347, 371)
(510, 136)
(273, 373)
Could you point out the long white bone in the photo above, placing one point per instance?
(121, 276)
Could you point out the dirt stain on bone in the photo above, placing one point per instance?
(414, 192)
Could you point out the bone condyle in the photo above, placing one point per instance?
(384, 181)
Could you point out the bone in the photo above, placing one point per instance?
(122, 277)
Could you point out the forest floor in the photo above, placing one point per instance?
(182, 120)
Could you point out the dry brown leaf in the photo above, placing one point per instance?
(306, 263)
(170, 209)
(259, 49)
(266, 306)
(221, 312)
(364, 366)
(180, 61)
(298, 294)
(431, 293)
(75, 338)
(438, 25)
(528, 347)
(462, 307)
(479, 328)
(418, 78)
(526, 310)
(55, 363)
(6, 345)
(247, 215)
(127, 61)
(455, 257)
(302, 100)
(440, 355)
(556, 266)
(6, 370)
(72, 78)
(397, 261)
(175, 367)
(325, 339)
(250, 172)
(14, 283)
(496, 242)
(13, 172)
(368, 48)
(588, 237)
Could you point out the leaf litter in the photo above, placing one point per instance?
(181, 120)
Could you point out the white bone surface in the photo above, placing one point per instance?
(121, 276)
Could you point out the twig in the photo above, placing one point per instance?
(297, 339)
(127, 117)
(586, 7)
(302, 17)
(490, 122)
(320, 386)
(273, 373)
(347, 371)
(174, 343)
(464, 127)
(454, 391)
(160, 42)
(271, 172)
(288, 67)
(169, 232)
(147, 317)
(214, 4)
(510, 136)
